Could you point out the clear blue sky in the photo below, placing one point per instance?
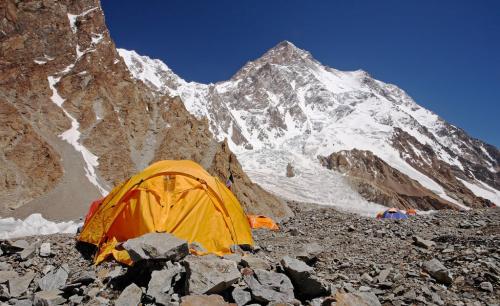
(444, 53)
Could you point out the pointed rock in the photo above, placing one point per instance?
(130, 296)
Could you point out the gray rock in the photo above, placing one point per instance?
(7, 275)
(437, 270)
(55, 279)
(269, 286)
(53, 297)
(209, 274)
(382, 276)
(130, 296)
(486, 286)
(420, 242)
(309, 252)
(241, 297)
(160, 286)
(357, 299)
(19, 285)
(366, 277)
(28, 252)
(76, 299)
(203, 300)
(303, 278)
(254, 262)
(45, 250)
(162, 246)
(4, 266)
(24, 302)
(234, 257)
(20, 244)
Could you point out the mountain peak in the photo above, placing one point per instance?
(285, 52)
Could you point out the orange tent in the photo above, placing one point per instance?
(259, 221)
(177, 197)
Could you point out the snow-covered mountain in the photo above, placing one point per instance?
(286, 107)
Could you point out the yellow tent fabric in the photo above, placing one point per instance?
(177, 197)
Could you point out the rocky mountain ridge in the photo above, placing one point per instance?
(75, 124)
(286, 107)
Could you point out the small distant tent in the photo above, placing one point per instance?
(392, 213)
(177, 197)
(260, 221)
(411, 212)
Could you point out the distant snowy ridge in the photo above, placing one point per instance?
(290, 108)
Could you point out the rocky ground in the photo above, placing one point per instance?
(319, 257)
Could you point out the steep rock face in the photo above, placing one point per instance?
(376, 181)
(286, 107)
(424, 159)
(90, 125)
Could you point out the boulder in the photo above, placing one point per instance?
(209, 274)
(267, 286)
(130, 296)
(52, 297)
(303, 278)
(309, 252)
(357, 299)
(45, 250)
(420, 242)
(161, 284)
(54, 279)
(203, 300)
(437, 270)
(253, 262)
(161, 246)
(19, 285)
(241, 297)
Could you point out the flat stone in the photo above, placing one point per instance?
(28, 252)
(160, 246)
(203, 300)
(7, 275)
(130, 296)
(209, 274)
(241, 296)
(309, 252)
(19, 285)
(45, 250)
(52, 297)
(267, 286)
(302, 276)
(254, 262)
(234, 257)
(20, 244)
(4, 266)
(423, 243)
(54, 279)
(161, 285)
(437, 270)
(357, 299)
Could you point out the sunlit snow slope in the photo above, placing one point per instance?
(286, 107)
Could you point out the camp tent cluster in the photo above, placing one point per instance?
(177, 197)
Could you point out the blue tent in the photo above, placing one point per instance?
(393, 214)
